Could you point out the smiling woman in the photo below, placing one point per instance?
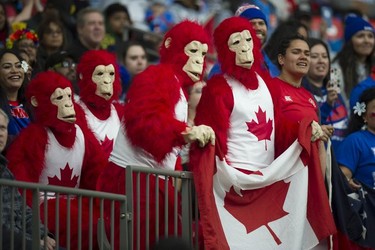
(12, 100)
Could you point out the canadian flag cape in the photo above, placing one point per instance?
(283, 206)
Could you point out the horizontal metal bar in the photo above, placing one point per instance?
(59, 189)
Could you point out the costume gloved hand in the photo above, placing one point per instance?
(202, 133)
(316, 131)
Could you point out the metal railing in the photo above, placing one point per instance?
(179, 220)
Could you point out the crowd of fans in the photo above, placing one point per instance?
(38, 36)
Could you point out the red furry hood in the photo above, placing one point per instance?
(41, 87)
(227, 57)
(180, 35)
(86, 67)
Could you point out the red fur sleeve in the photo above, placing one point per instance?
(149, 112)
(214, 109)
(26, 156)
(93, 163)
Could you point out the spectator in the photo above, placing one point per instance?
(356, 153)
(90, 30)
(55, 150)
(297, 103)
(333, 112)
(283, 30)
(98, 107)
(156, 107)
(158, 17)
(27, 40)
(259, 22)
(16, 211)
(133, 60)
(4, 26)
(12, 86)
(357, 91)
(64, 63)
(231, 103)
(51, 38)
(60, 10)
(117, 22)
(353, 61)
(188, 9)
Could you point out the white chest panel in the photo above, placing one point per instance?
(251, 133)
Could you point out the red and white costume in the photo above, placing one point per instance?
(155, 115)
(257, 195)
(55, 152)
(99, 112)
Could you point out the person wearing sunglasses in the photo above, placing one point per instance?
(64, 63)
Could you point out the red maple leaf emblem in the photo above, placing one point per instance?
(264, 205)
(261, 129)
(67, 180)
(107, 145)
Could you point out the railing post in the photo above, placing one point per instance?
(186, 209)
(128, 211)
(36, 220)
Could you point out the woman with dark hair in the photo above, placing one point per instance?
(353, 61)
(52, 39)
(26, 40)
(356, 155)
(285, 29)
(133, 60)
(297, 103)
(327, 93)
(12, 85)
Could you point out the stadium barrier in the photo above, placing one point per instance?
(185, 211)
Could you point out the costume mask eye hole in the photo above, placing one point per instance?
(100, 73)
(112, 73)
(193, 50)
(248, 39)
(236, 42)
(60, 97)
(204, 53)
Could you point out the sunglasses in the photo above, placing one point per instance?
(65, 64)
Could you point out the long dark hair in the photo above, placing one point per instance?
(356, 122)
(4, 102)
(315, 41)
(347, 59)
(284, 44)
(284, 30)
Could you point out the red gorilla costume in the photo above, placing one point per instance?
(99, 89)
(253, 199)
(154, 125)
(54, 150)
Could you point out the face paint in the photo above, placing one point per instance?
(62, 98)
(104, 76)
(242, 44)
(196, 51)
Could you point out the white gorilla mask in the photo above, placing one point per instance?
(196, 51)
(242, 44)
(104, 76)
(62, 98)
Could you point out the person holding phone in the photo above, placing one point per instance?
(322, 82)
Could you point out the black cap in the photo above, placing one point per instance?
(57, 58)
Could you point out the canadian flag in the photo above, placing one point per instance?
(283, 206)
